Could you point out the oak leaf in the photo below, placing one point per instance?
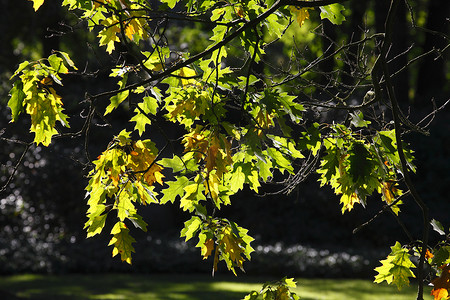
(207, 248)
(442, 284)
(122, 242)
(396, 268)
(301, 14)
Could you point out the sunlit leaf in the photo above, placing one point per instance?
(37, 4)
(441, 285)
(122, 242)
(396, 268)
(333, 12)
(15, 103)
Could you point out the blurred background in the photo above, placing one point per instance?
(42, 210)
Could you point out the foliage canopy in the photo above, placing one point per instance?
(245, 122)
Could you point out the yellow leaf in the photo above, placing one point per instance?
(212, 186)
(207, 248)
(129, 31)
(37, 4)
(389, 192)
(348, 201)
(197, 143)
(109, 34)
(135, 29)
(47, 81)
(388, 189)
(301, 14)
(232, 247)
(187, 72)
(141, 161)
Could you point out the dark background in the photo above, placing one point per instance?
(42, 211)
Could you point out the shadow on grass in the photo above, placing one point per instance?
(183, 287)
(312, 289)
(125, 286)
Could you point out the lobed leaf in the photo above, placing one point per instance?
(122, 242)
(396, 268)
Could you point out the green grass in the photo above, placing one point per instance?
(186, 287)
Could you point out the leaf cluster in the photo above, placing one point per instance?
(34, 93)
(356, 168)
(275, 290)
(242, 127)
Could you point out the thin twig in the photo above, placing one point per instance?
(381, 211)
(398, 133)
(19, 162)
(250, 24)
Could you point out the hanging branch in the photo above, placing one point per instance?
(381, 63)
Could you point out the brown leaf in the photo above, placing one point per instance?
(442, 284)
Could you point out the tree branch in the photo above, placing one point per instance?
(222, 43)
(398, 132)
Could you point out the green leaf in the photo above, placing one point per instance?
(311, 139)
(244, 173)
(176, 188)
(20, 68)
(329, 165)
(237, 179)
(280, 160)
(170, 3)
(109, 34)
(141, 121)
(124, 205)
(396, 268)
(122, 242)
(441, 256)
(138, 222)
(252, 296)
(290, 282)
(175, 163)
(333, 13)
(148, 106)
(45, 108)
(275, 25)
(264, 169)
(358, 120)
(68, 60)
(190, 228)
(437, 226)
(119, 97)
(193, 194)
(361, 165)
(15, 103)
(57, 64)
(96, 225)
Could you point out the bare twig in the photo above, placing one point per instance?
(382, 66)
(385, 208)
(18, 163)
(250, 24)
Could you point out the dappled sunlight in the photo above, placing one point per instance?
(188, 287)
(356, 289)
